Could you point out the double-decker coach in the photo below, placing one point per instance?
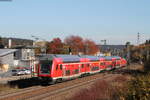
(58, 67)
(64, 67)
(92, 64)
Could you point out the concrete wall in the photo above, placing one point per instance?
(27, 54)
(7, 59)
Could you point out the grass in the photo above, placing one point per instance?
(5, 88)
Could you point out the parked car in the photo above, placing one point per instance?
(17, 72)
(27, 71)
(21, 72)
(14, 72)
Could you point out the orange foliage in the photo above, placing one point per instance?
(90, 47)
(55, 46)
(75, 43)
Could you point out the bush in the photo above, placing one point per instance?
(138, 88)
(101, 90)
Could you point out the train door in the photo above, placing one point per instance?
(76, 69)
(59, 70)
(102, 65)
(108, 65)
(87, 67)
(83, 68)
(118, 62)
(71, 69)
(113, 63)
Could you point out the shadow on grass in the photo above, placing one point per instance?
(24, 83)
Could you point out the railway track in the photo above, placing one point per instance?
(4, 95)
(48, 95)
(38, 93)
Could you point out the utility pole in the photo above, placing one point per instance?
(128, 52)
(104, 41)
(138, 38)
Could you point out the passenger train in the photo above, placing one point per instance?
(54, 68)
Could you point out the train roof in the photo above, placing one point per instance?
(111, 57)
(108, 57)
(101, 57)
(75, 58)
(117, 57)
(46, 56)
(92, 58)
(69, 58)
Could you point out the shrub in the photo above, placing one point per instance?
(138, 88)
(101, 90)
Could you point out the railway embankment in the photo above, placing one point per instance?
(131, 83)
(103, 85)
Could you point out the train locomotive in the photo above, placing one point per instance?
(56, 68)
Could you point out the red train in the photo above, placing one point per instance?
(53, 68)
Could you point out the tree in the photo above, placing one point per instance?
(1, 43)
(90, 47)
(75, 43)
(55, 46)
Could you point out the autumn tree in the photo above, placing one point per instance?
(1, 43)
(55, 46)
(90, 47)
(75, 43)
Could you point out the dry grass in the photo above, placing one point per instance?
(102, 90)
(5, 88)
(138, 88)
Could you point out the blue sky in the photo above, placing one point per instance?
(117, 21)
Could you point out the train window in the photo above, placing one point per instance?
(101, 64)
(76, 71)
(57, 67)
(82, 66)
(45, 66)
(88, 65)
(104, 63)
(109, 66)
(118, 64)
(95, 68)
(113, 62)
(67, 72)
(61, 66)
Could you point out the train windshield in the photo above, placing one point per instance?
(46, 66)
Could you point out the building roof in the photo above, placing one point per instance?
(4, 52)
(111, 47)
(24, 47)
